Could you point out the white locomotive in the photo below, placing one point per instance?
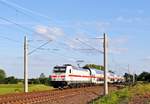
(68, 75)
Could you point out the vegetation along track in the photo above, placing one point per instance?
(67, 96)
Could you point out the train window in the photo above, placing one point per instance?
(59, 69)
(70, 70)
(111, 79)
(100, 79)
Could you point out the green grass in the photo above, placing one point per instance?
(123, 96)
(17, 88)
(114, 97)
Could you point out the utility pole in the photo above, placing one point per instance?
(25, 65)
(26, 54)
(105, 44)
(128, 69)
(133, 78)
(129, 74)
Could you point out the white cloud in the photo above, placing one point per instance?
(140, 11)
(49, 33)
(118, 50)
(98, 26)
(146, 59)
(116, 45)
(124, 19)
(73, 42)
(83, 43)
(128, 19)
(120, 18)
(119, 40)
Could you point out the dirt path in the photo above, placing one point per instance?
(141, 99)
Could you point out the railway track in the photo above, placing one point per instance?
(67, 96)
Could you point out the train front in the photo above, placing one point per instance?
(58, 77)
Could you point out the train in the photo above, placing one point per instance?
(70, 76)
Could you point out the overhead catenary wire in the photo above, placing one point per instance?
(18, 25)
(38, 47)
(16, 9)
(10, 39)
(19, 8)
(15, 6)
(25, 9)
(20, 43)
(90, 46)
(25, 13)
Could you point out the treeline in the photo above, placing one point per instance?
(7, 80)
(41, 80)
(144, 76)
(12, 80)
(45, 81)
(99, 67)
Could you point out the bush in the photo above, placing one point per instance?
(10, 80)
(145, 76)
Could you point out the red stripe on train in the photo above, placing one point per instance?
(84, 76)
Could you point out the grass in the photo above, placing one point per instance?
(17, 88)
(123, 96)
(114, 98)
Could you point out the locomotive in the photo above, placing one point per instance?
(71, 76)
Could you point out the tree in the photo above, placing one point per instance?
(42, 75)
(99, 67)
(43, 80)
(10, 80)
(144, 76)
(2, 74)
(128, 77)
(34, 81)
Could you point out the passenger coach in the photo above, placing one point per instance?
(71, 76)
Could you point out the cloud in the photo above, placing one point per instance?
(83, 43)
(123, 19)
(140, 11)
(118, 50)
(72, 42)
(119, 40)
(117, 45)
(98, 26)
(128, 19)
(146, 59)
(50, 33)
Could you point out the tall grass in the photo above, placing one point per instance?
(123, 96)
(114, 97)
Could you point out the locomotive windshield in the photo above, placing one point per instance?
(59, 69)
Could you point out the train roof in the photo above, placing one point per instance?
(97, 71)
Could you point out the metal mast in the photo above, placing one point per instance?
(25, 65)
(105, 64)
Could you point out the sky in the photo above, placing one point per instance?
(72, 29)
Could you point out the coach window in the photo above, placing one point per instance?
(70, 70)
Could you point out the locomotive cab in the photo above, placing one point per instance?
(58, 76)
